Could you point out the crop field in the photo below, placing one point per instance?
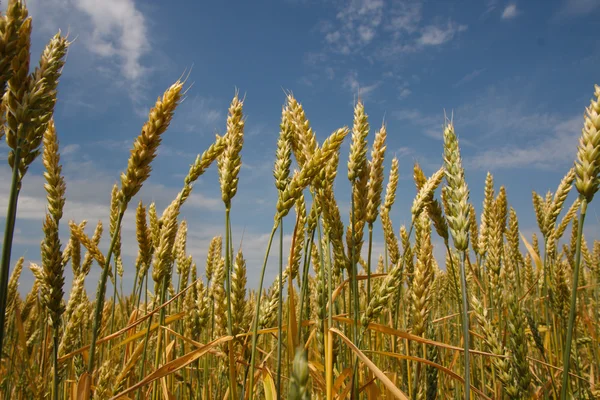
(503, 315)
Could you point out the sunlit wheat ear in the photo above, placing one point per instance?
(458, 193)
(303, 139)
(88, 243)
(375, 184)
(473, 229)
(144, 240)
(230, 161)
(13, 285)
(52, 264)
(213, 256)
(164, 247)
(493, 343)
(390, 190)
(72, 251)
(146, 144)
(357, 163)
(424, 196)
(238, 292)
(11, 22)
(587, 165)
(390, 237)
(179, 251)
(294, 263)
(43, 94)
(268, 314)
(424, 274)
(201, 165)
(383, 294)
(556, 206)
(486, 216)
(569, 215)
(283, 155)
(88, 259)
(115, 202)
(14, 97)
(302, 179)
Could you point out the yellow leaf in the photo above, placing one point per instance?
(269, 385)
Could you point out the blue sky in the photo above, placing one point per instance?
(516, 75)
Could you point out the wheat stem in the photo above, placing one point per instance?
(573, 309)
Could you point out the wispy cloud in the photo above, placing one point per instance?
(468, 77)
(510, 11)
(434, 35)
(352, 83)
(113, 32)
(555, 150)
(374, 28)
(356, 26)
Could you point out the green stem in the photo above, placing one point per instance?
(356, 310)
(11, 215)
(161, 320)
(567, 353)
(257, 312)
(100, 295)
(112, 317)
(465, 323)
(304, 289)
(280, 312)
(232, 382)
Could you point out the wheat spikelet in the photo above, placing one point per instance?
(301, 179)
(15, 15)
(238, 291)
(13, 285)
(146, 144)
(230, 162)
(458, 193)
(587, 166)
(283, 156)
(179, 252)
(164, 247)
(144, 239)
(52, 260)
(299, 232)
(302, 140)
(486, 214)
(424, 274)
(201, 164)
(424, 196)
(374, 186)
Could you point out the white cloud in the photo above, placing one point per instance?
(112, 30)
(404, 93)
(355, 26)
(468, 77)
(510, 11)
(555, 150)
(70, 149)
(434, 35)
(351, 83)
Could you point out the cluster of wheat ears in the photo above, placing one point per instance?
(495, 322)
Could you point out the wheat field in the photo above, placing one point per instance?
(503, 317)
